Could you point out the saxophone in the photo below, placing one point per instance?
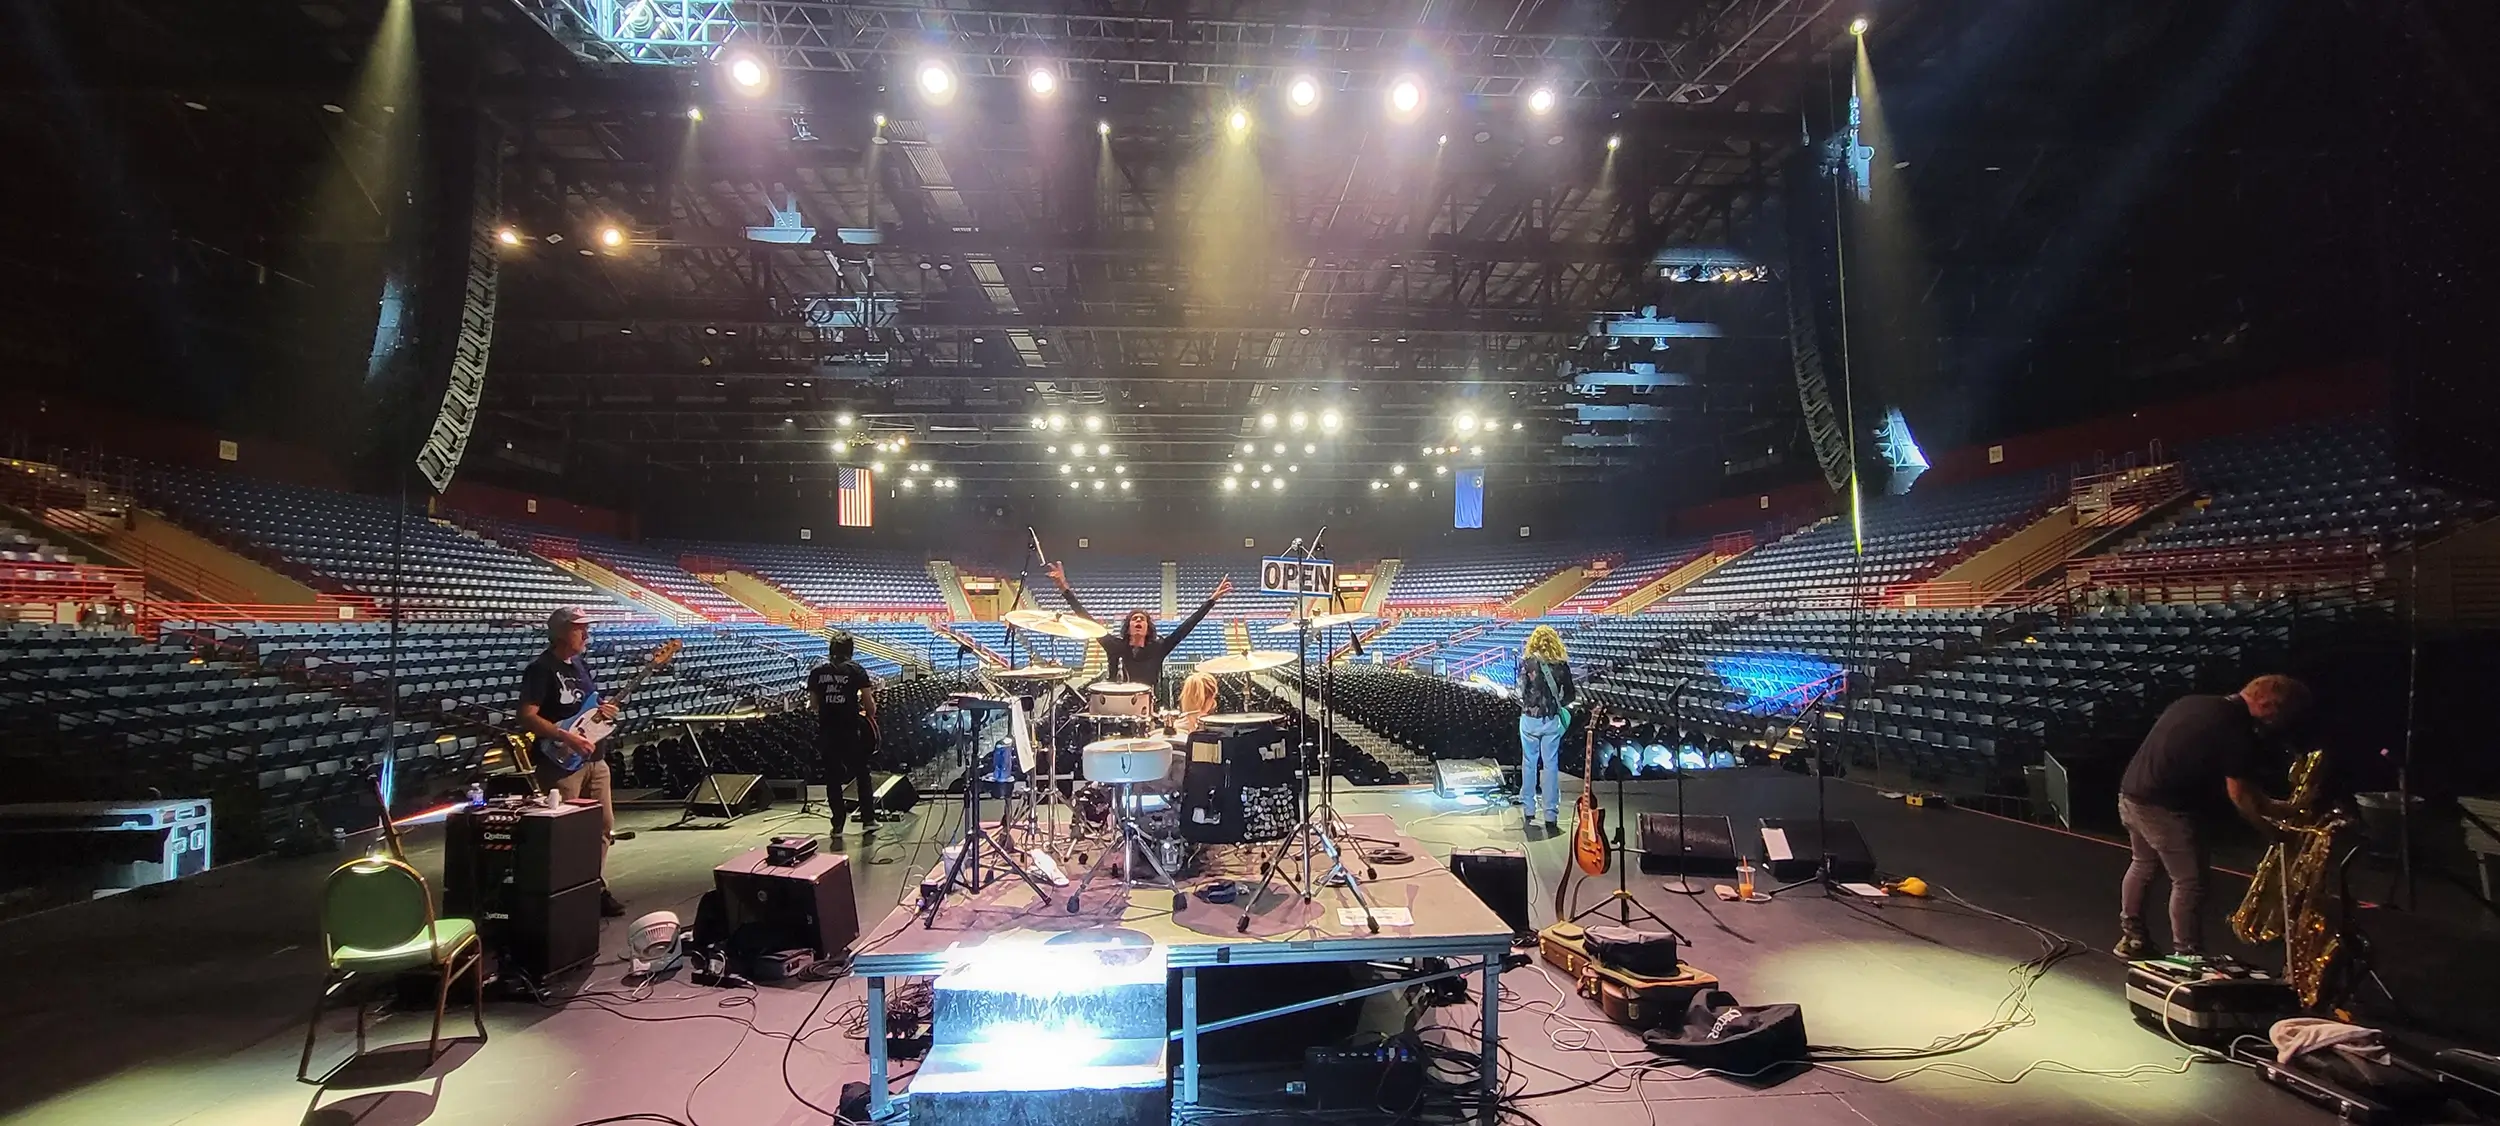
(2291, 897)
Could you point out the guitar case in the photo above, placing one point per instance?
(1647, 953)
(1633, 1000)
(1744, 1040)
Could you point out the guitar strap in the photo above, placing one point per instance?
(1546, 670)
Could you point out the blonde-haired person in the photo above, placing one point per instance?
(1545, 693)
(1197, 701)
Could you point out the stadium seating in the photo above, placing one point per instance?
(835, 579)
(1640, 565)
(1481, 576)
(18, 545)
(1818, 566)
(659, 571)
(447, 572)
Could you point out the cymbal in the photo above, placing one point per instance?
(1056, 623)
(1035, 672)
(1254, 661)
(1318, 621)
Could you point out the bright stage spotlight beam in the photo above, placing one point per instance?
(1405, 97)
(1302, 94)
(748, 75)
(1238, 121)
(937, 82)
(1858, 26)
(1041, 82)
(1541, 101)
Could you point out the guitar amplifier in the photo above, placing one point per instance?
(1695, 844)
(810, 906)
(529, 876)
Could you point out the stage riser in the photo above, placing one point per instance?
(1121, 1011)
(1123, 1083)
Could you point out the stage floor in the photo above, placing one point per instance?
(186, 1005)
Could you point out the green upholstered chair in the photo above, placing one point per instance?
(377, 921)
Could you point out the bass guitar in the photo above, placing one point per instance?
(1588, 836)
(589, 726)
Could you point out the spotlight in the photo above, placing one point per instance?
(1065, 469)
(1411, 486)
(1277, 484)
(1238, 121)
(1058, 422)
(1377, 486)
(1443, 140)
(1249, 447)
(1232, 484)
(1406, 96)
(1255, 483)
(1858, 26)
(1398, 470)
(1267, 467)
(1102, 128)
(1330, 420)
(611, 237)
(1098, 484)
(1303, 93)
(1299, 420)
(1120, 469)
(1267, 421)
(748, 74)
(1614, 142)
(908, 483)
(937, 82)
(1293, 469)
(876, 467)
(1277, 448)
(1042, 82)
(1541, 101)
(842, 419)
(841, 447)
(1475, 451)
(508, 237)
(1516, 424)
(694, 113)
(1310, 447)
(878, 120)
(1466, 424)
(1236, 467)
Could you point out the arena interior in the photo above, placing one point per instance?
(354, 341)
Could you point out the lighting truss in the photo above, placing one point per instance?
(1723, 46)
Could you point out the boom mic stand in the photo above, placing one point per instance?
(1621, 898)
(1822, 876)
(1683, 884)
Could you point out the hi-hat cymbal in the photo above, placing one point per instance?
(1256, 660)
(1318, 621)
(1056, 623)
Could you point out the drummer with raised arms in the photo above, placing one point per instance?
(1134, 650)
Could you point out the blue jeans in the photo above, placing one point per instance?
(1540, 748)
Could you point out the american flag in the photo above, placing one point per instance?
(856, 503)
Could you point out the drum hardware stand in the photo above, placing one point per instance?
(1313, 830)
(1131, 845)
(965, 871)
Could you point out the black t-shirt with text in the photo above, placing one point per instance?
(2197, 743)
(839, 689)
(559, 687)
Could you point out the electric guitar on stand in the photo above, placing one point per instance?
(589, 726)
(1588, 834)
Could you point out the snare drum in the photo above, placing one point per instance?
(1119, 761)
(1114, 697)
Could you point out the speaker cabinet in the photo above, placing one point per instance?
(729, 795)
(808, 906)
(1500, 879)
(1705, 845)
(554, 934)
(1805, 841)
(529, 876)
(894, 792)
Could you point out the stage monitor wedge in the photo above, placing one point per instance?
(729, 795)
(1708, 845)
(1795, 847)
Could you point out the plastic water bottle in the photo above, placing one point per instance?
(338, 840)
(1001, 769)
(477, 794)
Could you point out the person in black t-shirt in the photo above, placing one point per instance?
(1134, 652)
(556, 687)
(846, 726)
(2201, 747)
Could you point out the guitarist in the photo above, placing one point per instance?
(1545, 697)
(846, 725)
(556, 687)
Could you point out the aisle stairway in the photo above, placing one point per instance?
(1383, 574)
(767, 599)
(950, 583)
(591, 572)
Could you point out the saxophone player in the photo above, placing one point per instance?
(2201, 746)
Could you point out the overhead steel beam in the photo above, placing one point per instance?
(1726, 44)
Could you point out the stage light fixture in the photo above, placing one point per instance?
(1614, 142)
(1278, 448)
(694, 113)
(1121, 468)
(878, 121)
(1466, 424)
(1303, 93)
(1442, 140)
(1267, 467)
(1293, 469)
(1065, 469)
(1299, 420)
(1541, 101)
(1099, 483)
(1310, 447)
(1398, 470)
(1238, 121)
(1330, 421)
(1093, 423)
(1232, 484)
(1440, 471)
(1858, 26)
(899, 443)
(611, 237)
(876, 467)
(1255, 483)
(1475, 451)
(841, 447)
(1411, 486)
(1406, 96)
(1042, 82)
(747, 73)
(937, 81)
(1237, 467)
(1267, 421)
(1249, 447)
(1516, 424)
(1052, 450)
(1102, 128)
(508, 236)
(1125, 484)
(842, 419)
(1376, 486)
(1277, 484)
(1058, 422)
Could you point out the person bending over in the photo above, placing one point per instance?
(2202, 746)
(1135, 651)
(555, 687)
(1545, 693)
(846, 728)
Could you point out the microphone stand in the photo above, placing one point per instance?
(1822, 876)
(1683, 884)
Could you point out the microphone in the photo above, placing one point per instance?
(1295, 546)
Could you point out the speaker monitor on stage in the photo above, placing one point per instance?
(1474, 776)
(1708, 845)
(1795, 847)
(1500, 879)
(810, 906)
(729, 795)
